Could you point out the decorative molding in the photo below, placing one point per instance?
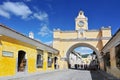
(92, 30)
(105, 38)
(75, 31)
(82, 39)
(65, 31)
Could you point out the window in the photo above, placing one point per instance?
(50, 60)
(117, 48)
(40, 59)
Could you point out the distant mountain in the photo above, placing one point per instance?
(85, 55)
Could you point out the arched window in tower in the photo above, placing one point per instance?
(81, 12)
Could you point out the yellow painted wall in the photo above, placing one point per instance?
(12, 45)
(104, 42)
(64, 45)
(67, 45)
(89, 34)
(74, 35)
(56, 34)
(106, 33)
(100, 45)
(8, 65)
(69, 35)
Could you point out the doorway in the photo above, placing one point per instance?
(21, 61)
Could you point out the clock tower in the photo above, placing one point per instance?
(81, 22)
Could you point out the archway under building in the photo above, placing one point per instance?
(94, 61)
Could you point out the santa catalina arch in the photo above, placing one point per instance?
(66, 41)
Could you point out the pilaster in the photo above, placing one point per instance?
(112, 57)
(45, 59)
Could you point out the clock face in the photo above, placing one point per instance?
(81, 23)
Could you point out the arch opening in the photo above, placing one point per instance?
(76, 60)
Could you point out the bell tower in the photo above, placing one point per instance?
(81, 22)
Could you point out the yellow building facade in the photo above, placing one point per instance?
(20, 54)
(67, 41)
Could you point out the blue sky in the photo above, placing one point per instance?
(83, 50)
(42, 16)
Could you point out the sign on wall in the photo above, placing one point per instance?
(7, 54)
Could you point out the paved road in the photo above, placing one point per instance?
(66, 75)
(96, 75)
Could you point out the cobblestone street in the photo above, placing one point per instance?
(65, 75)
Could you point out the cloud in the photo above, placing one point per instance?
(21, 9)
(7, 9)
(4, 13)
(44, 31)
(16, 8)
(42, 16)
(84, 48)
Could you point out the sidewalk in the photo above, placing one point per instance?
(107, 76)
(23, 74)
